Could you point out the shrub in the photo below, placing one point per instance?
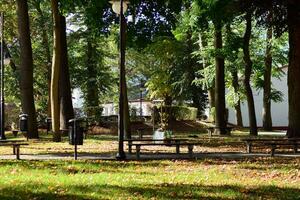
(184, 113)
(178, 113)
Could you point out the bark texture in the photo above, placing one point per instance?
(26, 68)
(65, 96)
(237, 107)
(267, 117)
(56, 64)
(219, 83)
(248, 73)
(294, 68)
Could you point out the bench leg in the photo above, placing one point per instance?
(190, 149)
(295, 148)
(17, 152)
(138, 151)
(130, 147)
(14, 150)
(178, 148)
(273, 147)
(249, 147)
(140, 134)
(209, 133)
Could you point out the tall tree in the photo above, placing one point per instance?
(233, 44)
(65, 96)
(26, 68)
(46, 45)
(56, 65)
(293, 17)
(267, 117)
(219, 81)
(248, 73)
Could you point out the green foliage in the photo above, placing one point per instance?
(180, 112)
(93, 113)
(163, 55)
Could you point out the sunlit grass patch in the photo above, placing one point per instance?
(212, 179)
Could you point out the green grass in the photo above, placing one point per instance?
(211, 179)
(260, 178)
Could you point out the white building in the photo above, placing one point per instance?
(279, 110)
(134, 105)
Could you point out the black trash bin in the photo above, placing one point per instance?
(75, 132)
(49, 124)
(23, 123)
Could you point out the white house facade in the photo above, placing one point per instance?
(135, 106)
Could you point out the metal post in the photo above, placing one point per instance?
(75, 140)
(121, 154)
(2, 125)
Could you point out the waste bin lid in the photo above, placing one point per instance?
(23, 115)
(75, 120)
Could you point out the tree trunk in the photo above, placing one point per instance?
(46, 45)
(26, 68)
(212, 104)
(236, 86)
(267, 117)
(219, 83)
(237, 106)
(92, 97)
(65, 96)
(294, 68)
(248, 72)
(56, 64)
(211, 91)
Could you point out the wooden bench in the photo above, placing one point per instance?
(15, 144)
(276, 145)
(190, 147)
(160, 141)
(264, 141)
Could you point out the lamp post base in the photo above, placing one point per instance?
(121, 156)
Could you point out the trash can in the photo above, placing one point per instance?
(75, 132)
(23, 122)
(49, 124)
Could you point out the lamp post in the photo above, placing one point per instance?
(120, 7)
(2, 125)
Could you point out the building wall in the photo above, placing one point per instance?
(111, 108)
(279, 110)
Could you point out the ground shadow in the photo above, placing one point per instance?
(160, 191)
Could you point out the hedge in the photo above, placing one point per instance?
(180, 112)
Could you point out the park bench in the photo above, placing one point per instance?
(175, 143)
(265, 142)
(15, 144)
(295, 144)
(151, 141)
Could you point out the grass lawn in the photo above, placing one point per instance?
(259, 178)
(267, 178)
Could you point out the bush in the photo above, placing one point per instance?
(179, 113)
(94, 113)
(12, 112)
(184, 113)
